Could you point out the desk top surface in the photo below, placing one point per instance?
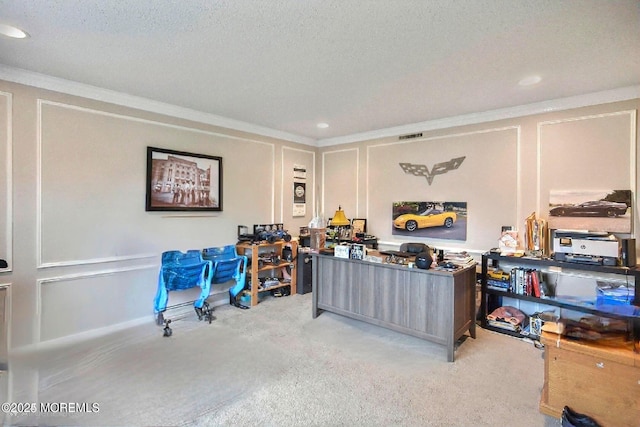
(382, 264)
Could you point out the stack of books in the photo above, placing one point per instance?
(463, 259)
(526, 281)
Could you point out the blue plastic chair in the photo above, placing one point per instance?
(227, 266)
(180, 271)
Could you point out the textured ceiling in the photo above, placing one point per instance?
(358, 65)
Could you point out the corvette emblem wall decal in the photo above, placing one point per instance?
(438, 168)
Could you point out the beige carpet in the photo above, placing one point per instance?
(274, 365)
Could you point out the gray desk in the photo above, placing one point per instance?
(437, 306)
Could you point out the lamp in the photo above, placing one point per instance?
(339, 219)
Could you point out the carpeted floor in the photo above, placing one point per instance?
(274, 365)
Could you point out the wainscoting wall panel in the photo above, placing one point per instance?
(292, 157)
(5, 319)
(92, 184)
(594, 152)
(6, 200)
(487, 180)
(75, 303)
(340, 174)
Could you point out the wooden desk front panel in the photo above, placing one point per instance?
(431, 305)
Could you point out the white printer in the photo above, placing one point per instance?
(586, 247)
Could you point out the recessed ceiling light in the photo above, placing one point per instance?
(531, 80)
(13, 32)
(323, 125)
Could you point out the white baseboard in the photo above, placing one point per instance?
(176, 312)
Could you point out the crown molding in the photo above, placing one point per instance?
(604, 97)
(56, 84)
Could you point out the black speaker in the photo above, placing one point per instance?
(628, 252)
(304, 281)
(424, 260)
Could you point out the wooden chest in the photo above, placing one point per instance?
(602, 382)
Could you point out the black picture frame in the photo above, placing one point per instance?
(182, 181)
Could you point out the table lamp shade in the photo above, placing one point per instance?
(339, 219)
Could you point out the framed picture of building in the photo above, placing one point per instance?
(181, 181)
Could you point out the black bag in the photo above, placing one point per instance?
(571, 418)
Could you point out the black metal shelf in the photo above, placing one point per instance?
(508, 332)
(539, 263)
(549, 262)
(569, 305)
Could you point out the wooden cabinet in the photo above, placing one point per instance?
(602, 382)
(262, 266)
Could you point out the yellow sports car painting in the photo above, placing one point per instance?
(428, 218)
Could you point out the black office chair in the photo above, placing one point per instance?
(413, 248)
(3, 264)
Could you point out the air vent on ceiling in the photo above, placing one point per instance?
(413, 135)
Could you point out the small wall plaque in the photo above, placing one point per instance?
(357, 251)
(341, 251)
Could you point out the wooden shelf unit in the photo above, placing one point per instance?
(253, 252)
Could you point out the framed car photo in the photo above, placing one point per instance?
(181, 181)
(605, 210)
(431, 219)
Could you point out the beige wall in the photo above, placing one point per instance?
(84, 254)
(509, 169)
